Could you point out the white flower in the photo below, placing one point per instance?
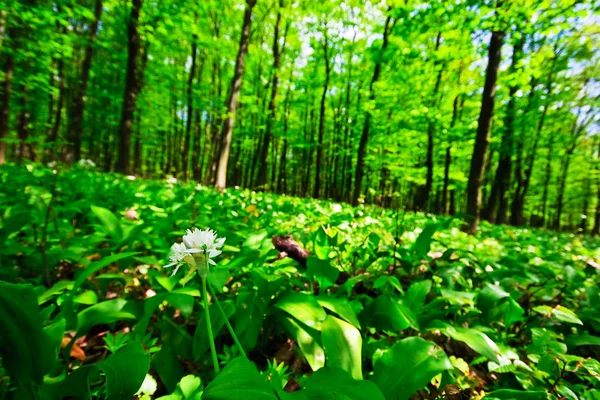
(178, 254)
(197, 250)
(171, 180)
(205, 241)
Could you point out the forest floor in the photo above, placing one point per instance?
(381, 304)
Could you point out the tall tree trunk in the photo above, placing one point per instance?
(500, 184)
(282, 178)
(190, 111)
(264, 154)
(319, 160)
(547, 178)
(236, 86)
(75, 133)
(563, 183)
(132, 87)
(425, 191)
(596, 229)
(9, 67)
(197, 153)
(364, 138)
(24, 117)
(518, 205)
(482, 138)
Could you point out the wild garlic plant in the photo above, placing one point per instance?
(197, 250)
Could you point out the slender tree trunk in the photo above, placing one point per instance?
(596, 229)
(518, 205)
(282, 178)
(482, 138)
(364, 138)
(501, 182)
(132, 87)
(319, 161)
(236, 85)
(562, 186)
(264, 155)
(9, 67)
(190, 111)
(547, 178)
(425, 192)
(75, 133)
(198, 154)
(24, 117)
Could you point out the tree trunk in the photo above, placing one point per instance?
(319, 160)
(236, 85)
(75, 133)
(132, 87)
(501, 182)
(9, 66)
(596, 229)
(425, 191)
(282, 178)
(547, 178)
(482, 138)
(264, 155)
(364, 138)
(189, 112)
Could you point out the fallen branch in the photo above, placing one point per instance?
(289, 248)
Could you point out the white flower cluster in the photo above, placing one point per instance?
(197, 251)
(87, 164)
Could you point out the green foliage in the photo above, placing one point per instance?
(423, 310)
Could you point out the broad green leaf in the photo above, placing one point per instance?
(106, 312)
(303, 307)
(98, 265)
(416, 295)
(27, 351)
(560, 313)
(307, 339)
(341, 307)
(322, 271)
(408, 366)
(251, 308)
(343, 346)
(321, 241)
(167, 366)
(476, 340)
(110, 223)
(510, 394)
(335, 384)
(239, 380)
(385, 314)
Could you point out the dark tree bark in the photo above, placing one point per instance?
(9, 67)
(548, 176)
(190, 110)
(25, 150)
(132, 88)
(75, 133)
(236, 86)
(482, 138)
(364, 138)
(319, 160)
(282, 178)
(264, 154)
(498, 202)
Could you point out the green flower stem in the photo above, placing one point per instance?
(229, 327)
(211, 338)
